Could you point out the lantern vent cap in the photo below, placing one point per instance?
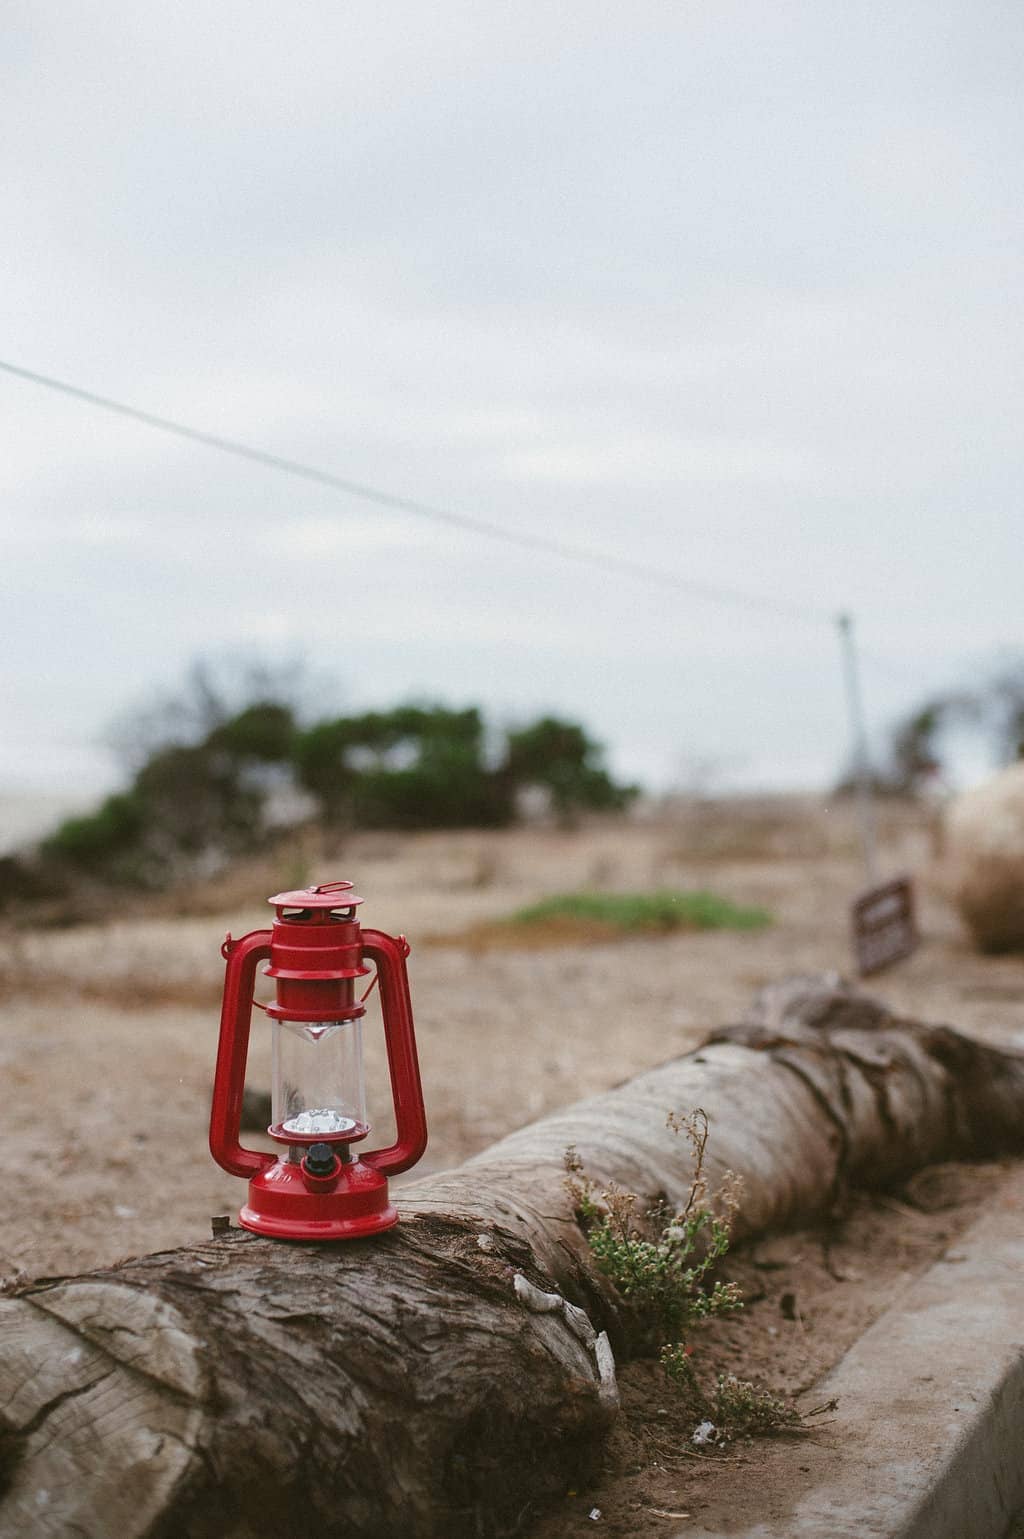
(328, 895)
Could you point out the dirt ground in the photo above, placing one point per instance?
(808, 1295)
(109, 1034)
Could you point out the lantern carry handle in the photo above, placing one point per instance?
(389, 954)
(242, 956)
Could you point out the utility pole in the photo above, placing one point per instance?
(859, 738)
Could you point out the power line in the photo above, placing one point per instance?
(567, 551)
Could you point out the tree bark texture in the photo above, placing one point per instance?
(453, 1375)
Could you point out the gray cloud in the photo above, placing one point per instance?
(734, 290)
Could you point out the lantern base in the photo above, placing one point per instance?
(282, 1206)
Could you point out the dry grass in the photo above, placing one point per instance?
(774, 828)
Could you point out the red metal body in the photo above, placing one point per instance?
(316, 950)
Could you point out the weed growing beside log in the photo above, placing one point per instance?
(659, 1262)
(734, 1407)
(659, 1265)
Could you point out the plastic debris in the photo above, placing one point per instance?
(707, 1432)
(594, 1514)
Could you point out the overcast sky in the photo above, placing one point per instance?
(732, 289)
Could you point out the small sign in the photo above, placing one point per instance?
(884, 930)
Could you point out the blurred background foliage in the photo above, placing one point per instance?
(917, 753)
(213, 778)
(216, 770)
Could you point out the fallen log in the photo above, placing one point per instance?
(453, 1375)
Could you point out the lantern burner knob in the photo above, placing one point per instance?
(320, 1160)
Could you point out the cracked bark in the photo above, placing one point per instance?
(408, 1385)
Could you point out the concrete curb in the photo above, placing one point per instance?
(928, 1441)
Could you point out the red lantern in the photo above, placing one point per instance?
(318, 1189)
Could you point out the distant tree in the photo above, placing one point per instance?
(994, 709)
(914, 750)
(412, 767)
(559, 756)
(263, 732)
(213, 692)
(321, 758)
(199, 791)
(196, 800)
(185, 803)
(105, 840)
(425, 767)
(1004, 698)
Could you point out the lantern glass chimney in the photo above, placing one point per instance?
(318, 1085)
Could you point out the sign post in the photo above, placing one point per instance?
(884, 926)
(882, 917)
(861, 756)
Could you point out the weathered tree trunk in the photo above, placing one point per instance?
(420, 1383)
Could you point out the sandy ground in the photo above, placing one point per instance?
(109, 1029)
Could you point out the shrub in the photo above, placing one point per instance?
(658, 1261)
(24, 880)
(184, 803)
(196, 799)
(320, 758)
(990, 897)
(203, 774)
(264, 731)
(659, 1265)
(426, 767)
(559, 756)
(100, 837)
(413, 767)
(734, 1407)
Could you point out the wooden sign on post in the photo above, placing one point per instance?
(884, 929)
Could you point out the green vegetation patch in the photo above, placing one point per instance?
(630, 912)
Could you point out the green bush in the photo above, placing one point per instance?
(659, 1263)
(203, 782)
(319, 755)
(658, 1260)
(734, 1406)
(99, 837)
(413, 767)
(426, 767)
(558, 756)
(196, 799)
(264, 732)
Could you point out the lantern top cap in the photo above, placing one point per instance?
(327, 895)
